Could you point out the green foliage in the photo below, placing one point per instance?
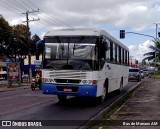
(151, 55)
(20, 31)
(13, 40)
(5, 30)
(35, 38)
(157, 75)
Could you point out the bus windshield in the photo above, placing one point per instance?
(70, 52)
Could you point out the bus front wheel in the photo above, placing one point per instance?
(121, 86)
(102, 98)
(62, 98)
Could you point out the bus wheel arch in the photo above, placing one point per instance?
(102, 98)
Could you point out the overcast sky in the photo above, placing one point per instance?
(111, 15)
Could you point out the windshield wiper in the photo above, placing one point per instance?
(49, 66)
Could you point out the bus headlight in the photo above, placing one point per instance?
(48, 80)
(86, 82)
(33, 79)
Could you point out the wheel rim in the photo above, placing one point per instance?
(103, 94)
(121, 86)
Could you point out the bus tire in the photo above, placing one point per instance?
(32, 87)
(62, 98)
(102, 98)
(40, 87)
(121, 86)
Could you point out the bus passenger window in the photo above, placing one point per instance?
(117, 54)
(111, 51)
(120, 57)
(114, 52)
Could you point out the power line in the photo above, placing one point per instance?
(50, 22)
(15, 3)
(50, 16)
(43, 22)
(26, 4)
(12, 10)
(9, 9)
(20, 4)
(56, 20)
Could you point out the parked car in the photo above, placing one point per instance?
(134, 74)
(146, 72)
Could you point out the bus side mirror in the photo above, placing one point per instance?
(39, 48)
(37, 53)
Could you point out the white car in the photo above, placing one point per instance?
(134, 74)
(145, 71)
(142, 74)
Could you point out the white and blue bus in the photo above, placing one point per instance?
(83, 62)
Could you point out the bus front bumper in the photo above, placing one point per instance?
(70, 90)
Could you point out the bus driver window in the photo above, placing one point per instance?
(102, 49)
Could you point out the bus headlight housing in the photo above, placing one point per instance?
(49, 80)
(88, 82)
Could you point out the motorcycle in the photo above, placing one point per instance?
(36, 84)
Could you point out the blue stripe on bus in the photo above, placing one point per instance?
(83, 90)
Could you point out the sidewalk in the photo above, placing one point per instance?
(3, 87)
(143, 105)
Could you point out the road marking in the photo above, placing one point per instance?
(25, 107)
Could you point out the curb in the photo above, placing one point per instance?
(101, 114)
(15, 88)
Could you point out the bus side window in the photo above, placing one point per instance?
(120, 57)
(107, 51)
(111, 51)
(117, 54)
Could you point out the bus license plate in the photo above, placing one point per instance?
(67, 90)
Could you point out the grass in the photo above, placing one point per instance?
(157, 75)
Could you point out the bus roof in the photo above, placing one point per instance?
(83, 32)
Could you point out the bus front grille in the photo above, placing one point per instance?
(67, 81)
(70, 75)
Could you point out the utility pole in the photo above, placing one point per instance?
(157, 29)
(156, 48)
(28, 37)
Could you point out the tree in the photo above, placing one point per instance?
(35, 38)
(20, 32)
(155, 51)
(5, 32)
(13, 40)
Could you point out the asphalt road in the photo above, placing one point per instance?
(33, 105)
